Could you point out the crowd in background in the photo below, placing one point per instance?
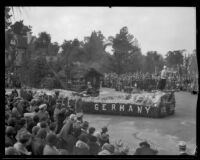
(146, 81)
(124, 82)
(47, 126)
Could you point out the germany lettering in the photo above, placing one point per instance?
(100, 107)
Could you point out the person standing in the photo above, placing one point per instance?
(163, 78)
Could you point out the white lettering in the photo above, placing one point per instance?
(113, 107)
(147, 109)
(96, 107)
(121, 107)
(139, 109)
(130, 108)
(103, 107)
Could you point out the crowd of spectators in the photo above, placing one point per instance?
(48, 127)
(145, 81)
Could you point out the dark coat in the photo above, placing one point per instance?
(64, 135)
(94, 148)
(37, 146)
(9, 141)
(59, 122)
(81, 148)
(145, 151)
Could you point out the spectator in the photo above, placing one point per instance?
(39, 142)
(7, 116)
(60, 118)
(98, 136)
(33, 105)
(66, 137)
(11, 151)
(15, 112)
(23, 128)
(84, 128)
(91, 131)
(35, 130)
(32, 114)
(57, 109)
(182, 148)
(50, 147)
(9, 137)
(30, 124)
(36, 119)
(24, 141)
(81, 147)
(145, 149)
(104, 136)
(107, 149)
(52, 128)
(12, 121)
(42, 112)
(94, 146)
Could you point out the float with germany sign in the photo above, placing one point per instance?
(155, 104)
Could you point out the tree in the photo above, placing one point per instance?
(53, 49)
(174, 58)
(94, 46)
(38, 69)
(7, 17)
(153, 61)
(43, 40)
(20, 29)
(126, 51)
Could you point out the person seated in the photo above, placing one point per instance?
(89, 90)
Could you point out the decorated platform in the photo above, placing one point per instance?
(155, 104)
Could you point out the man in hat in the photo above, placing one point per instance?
(145, 149)
(84, 128)
(104, 136)
(182, 148)
(163, 78)
(42, 112)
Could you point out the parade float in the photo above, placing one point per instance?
(147, 104)
(155, 104)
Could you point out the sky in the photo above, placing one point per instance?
(159, 29)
